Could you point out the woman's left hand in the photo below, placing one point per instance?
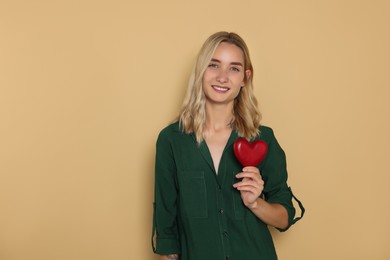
(250, 187)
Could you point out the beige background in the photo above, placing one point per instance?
(85, 87)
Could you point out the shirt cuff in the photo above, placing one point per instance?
(165, 246)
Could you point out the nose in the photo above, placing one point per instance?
(222, 76)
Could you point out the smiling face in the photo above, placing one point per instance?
(225, 74)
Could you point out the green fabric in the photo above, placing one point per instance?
(198, 214)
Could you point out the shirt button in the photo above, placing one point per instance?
(225, 233)
(221, 211)
(227, 257)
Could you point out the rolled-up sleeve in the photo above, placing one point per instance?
(274, 174)
(165, 197)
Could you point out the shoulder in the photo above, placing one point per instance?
(171, 128)
(266, 132)
(169, 131)
(173, 136)
(267, 135)
(265, 129)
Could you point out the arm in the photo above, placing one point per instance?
(272, 183)
(165, 223)
(251, 187)
(169, 257)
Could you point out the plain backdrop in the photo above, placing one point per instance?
(86, 86)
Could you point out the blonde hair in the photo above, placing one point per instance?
(192, 118)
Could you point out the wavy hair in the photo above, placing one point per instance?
(246, 115)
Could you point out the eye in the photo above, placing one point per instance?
(213, 65)
(235, 69)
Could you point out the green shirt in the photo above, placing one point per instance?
(199, 214)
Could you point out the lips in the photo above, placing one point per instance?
(220, 88)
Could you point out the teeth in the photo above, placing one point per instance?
(220, 88)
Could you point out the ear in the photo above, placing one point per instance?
(248, 75)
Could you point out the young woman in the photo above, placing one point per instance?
(207, 207)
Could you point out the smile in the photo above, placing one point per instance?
(220, 89)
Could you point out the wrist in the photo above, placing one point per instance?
(253, 205)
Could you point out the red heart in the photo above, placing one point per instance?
(250, 154)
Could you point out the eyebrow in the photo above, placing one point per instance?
(232, 63)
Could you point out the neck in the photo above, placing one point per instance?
(218, 117)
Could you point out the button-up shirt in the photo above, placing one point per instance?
(198, 214)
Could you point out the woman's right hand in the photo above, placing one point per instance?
(169, 257)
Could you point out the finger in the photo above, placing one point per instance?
(245, 181)
(253, 183)
(252, 175)
(250, 188)
(251, 169)
(259, 184)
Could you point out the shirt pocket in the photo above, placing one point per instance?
(238, 206)
(193, 193)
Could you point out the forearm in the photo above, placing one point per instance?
(270, 213)
(169, 257)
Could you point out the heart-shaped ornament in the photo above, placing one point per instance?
(250, 154)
